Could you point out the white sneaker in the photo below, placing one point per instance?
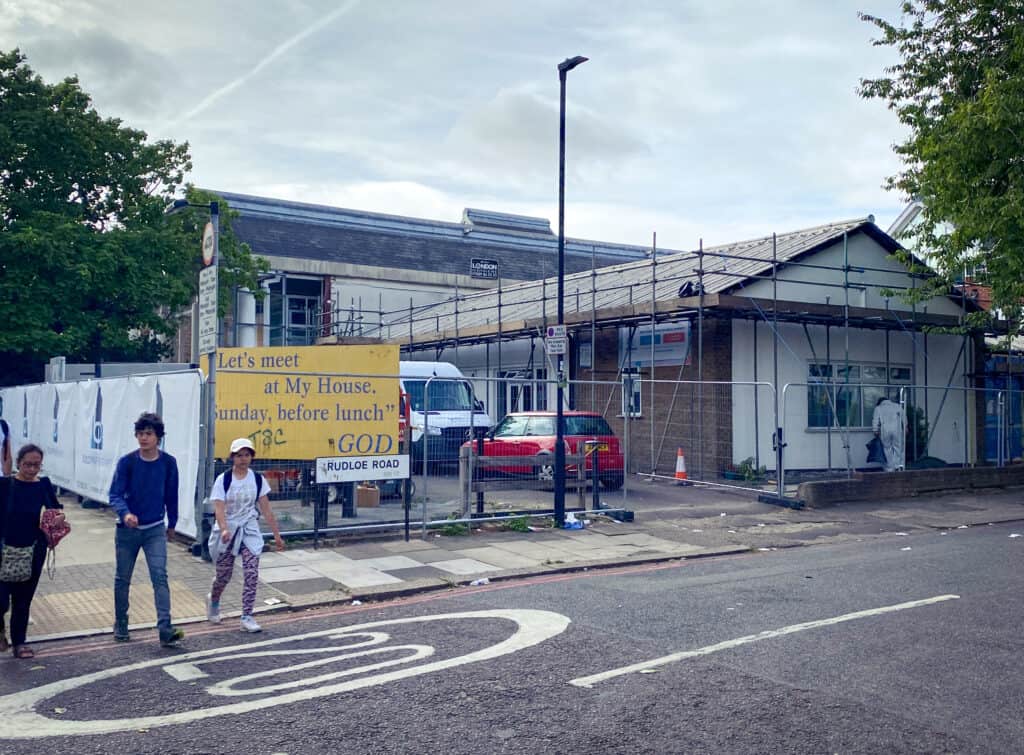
(212, 609)
(249, 625)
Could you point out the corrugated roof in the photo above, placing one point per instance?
(725, 267)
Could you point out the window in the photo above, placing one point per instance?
(511, 427)
(577, 424)
(845, 396)
(292, 308)
(631, 398)
(541, 426)
(524, 391)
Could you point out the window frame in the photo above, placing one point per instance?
(632, 385)
(825, 378)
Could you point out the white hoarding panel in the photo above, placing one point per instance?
(85, 427)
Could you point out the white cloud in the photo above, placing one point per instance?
(717, 120)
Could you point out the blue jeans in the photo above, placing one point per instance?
(153, 542)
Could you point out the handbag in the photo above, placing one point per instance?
(54, 526)
(55, 529)
(16, 563)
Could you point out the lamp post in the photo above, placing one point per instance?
(563, 69)
(210, 340)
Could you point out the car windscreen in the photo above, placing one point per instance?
(510, 426)
(587, 426)
(445, 395)
(541, 426)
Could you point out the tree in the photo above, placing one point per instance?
(960, 89)
(90, 268)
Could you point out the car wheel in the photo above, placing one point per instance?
(546, 476)
(612, 483)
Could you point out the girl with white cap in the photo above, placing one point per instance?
(238, 497)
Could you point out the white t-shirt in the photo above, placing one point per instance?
(240, 500)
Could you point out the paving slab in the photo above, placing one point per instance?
(502, 558)
(287, 573)
(312, 558)
(390, 563)
(464, 566)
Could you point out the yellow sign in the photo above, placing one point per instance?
(303, 402)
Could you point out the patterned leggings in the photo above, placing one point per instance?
(250, 573)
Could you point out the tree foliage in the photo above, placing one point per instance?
(90, 268)
(959, 87)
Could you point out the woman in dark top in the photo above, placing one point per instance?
(22, 500)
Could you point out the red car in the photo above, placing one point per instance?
(533, 433)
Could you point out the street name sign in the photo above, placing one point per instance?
(359, 468)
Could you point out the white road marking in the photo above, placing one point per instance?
(590, 681)
(19, 719)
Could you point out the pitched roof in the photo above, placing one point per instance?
(524, 247)
(726, 267)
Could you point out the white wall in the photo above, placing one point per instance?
(863, 251)
(808, 448)
(369, 297)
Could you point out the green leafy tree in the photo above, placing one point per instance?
(959, 88)
(90, 268)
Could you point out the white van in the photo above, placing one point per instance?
(449, 411)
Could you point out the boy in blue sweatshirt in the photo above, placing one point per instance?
(143, 491)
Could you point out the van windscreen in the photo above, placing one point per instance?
(445, 395)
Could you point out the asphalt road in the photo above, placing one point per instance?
(900, 644)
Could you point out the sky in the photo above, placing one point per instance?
(713, 120)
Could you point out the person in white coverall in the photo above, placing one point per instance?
(890, 426)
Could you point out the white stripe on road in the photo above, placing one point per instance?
(20, 720)
(590, 681)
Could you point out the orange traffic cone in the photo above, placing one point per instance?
(681, 468)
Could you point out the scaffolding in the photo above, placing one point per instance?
(704, 285)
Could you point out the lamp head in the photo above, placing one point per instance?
(176, 206)
(569, 63)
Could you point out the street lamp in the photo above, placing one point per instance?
(563, 69)
(208, 333)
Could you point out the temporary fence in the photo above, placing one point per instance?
(85, 426)
(828, 424)
(732, 434)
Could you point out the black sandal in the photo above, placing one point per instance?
(24, 652)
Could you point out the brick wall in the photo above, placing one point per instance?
(705, 436)
(880, 486)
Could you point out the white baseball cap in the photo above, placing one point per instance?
(239, 443)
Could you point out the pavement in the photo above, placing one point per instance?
(670, 523)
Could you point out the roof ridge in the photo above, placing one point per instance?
(851, 223)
